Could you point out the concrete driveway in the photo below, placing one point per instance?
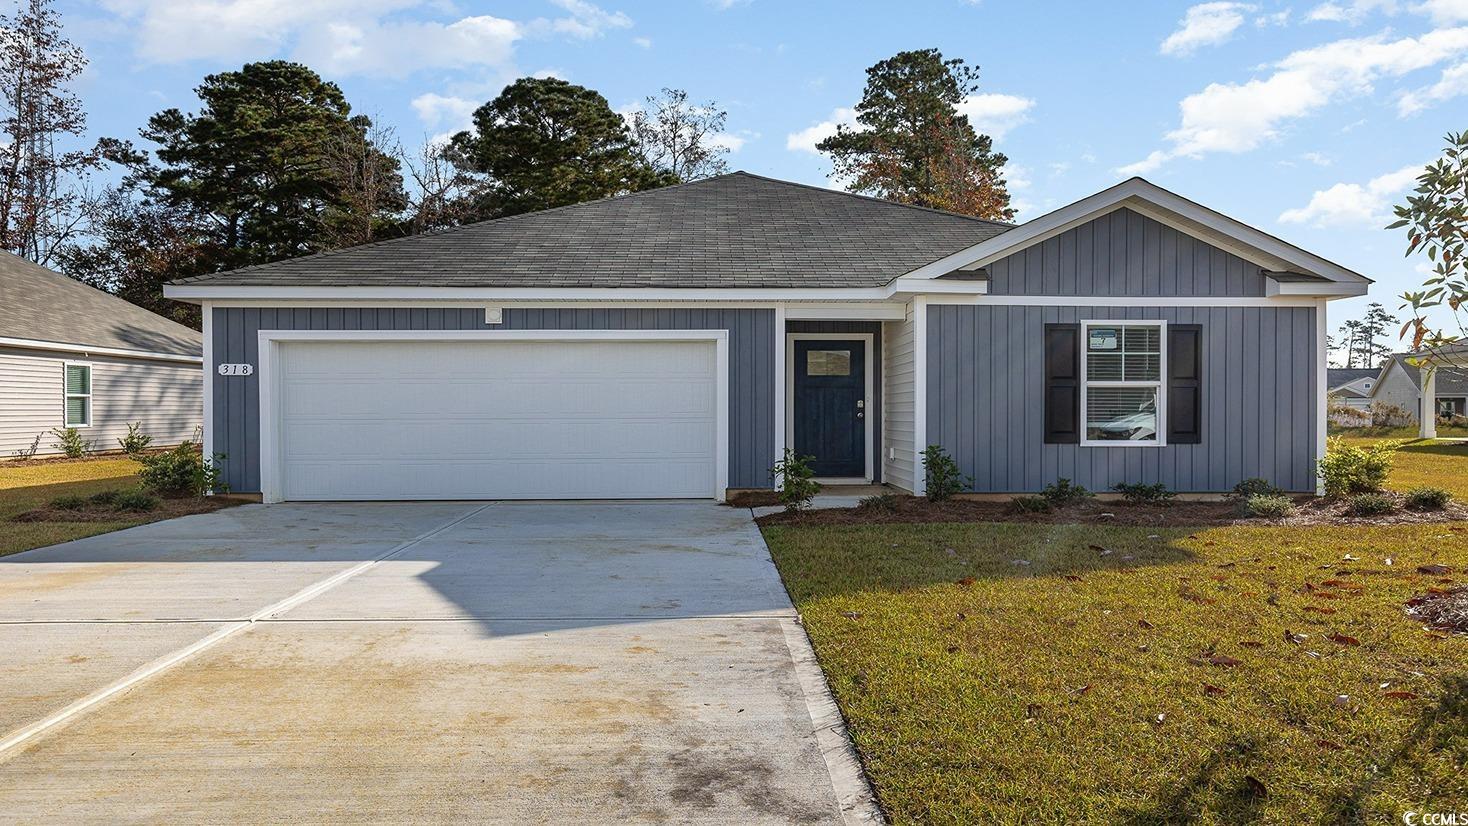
(541, 662)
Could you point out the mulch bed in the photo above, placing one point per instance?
(167, 509)
(908, 509)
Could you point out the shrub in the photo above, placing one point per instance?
(1063, 492)
(1265, 506)
(70, 502)
(1384, 414)
(885, 502)
(182, 471)
(796, 480)
(944, 479)
(1030, 504)
(1349, 469)
(1255, 486)
(1428, 499)
(1371, 504)
(106, 497)
(134, 500)
(70, 442)
(1138, 492)
(30, 452)
(136, 441)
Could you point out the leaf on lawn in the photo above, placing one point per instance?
(851, 615)
(1293, 638)
(1211, 690)
(1326, 595)
(1082, 690)
(1103, 551)
(1072, 578)
(1024, 562)
(1224, 660)
(1329, 744)
(1032, 710)
(1350, 558)
(966, 581)
(1256, 786)
(1338, 637)
(1308, 587)
(1342, 700)
(962, 615)
(1227, 564)
(1319, 609)
(1388, 562)
(1159, 719)
(1401, 695)
(1141, 623)
(1433, 569)
(1251, 643)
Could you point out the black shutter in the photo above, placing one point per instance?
(1184, 384)
(1062, 384)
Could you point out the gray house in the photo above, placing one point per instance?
(673, 343)
(1400, 384)
(1351, 386)
(74, 356)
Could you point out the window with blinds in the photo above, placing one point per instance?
(1122, 391)
(78, 403)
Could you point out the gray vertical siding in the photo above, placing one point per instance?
(985, 394)
(875, 329)
(1124, 253)
(236, 423)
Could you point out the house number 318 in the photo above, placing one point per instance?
(236, 369)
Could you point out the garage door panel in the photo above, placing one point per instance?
(497, 419)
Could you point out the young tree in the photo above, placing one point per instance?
(442, 194)
(39, 196)
(1436, 219)
(913, 146)
(369, 198)
(1376, 324)
(545, 143)
(1350, 332)
(673, 136)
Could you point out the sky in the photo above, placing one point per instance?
(1306, 119)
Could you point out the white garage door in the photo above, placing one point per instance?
(497, 419)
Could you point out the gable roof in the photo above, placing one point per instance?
(735, 230)
(1337, 376)
(39, 305)
(1451, 381)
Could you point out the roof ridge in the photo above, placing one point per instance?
(884, 201)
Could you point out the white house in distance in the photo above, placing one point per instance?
(1351, 386)
(74, 356)
(1400, 383)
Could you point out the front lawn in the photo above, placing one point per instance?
(1434, 463)
(1102, 674)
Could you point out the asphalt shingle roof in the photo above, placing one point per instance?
(40, 305)
(731, 231)
(1337, 376)
(1450, 380)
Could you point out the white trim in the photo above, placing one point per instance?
(36, 344)
(269, 378)
(1322, 401)
(1330, 289)
(1427, 402)
(1141, 301)
(863, 310)
(786, 387)
(1160, 385)
(207, 423)
(477, 296)
(67, 395)
(919, 393)
(1157, 203)
(781, 418)
(852, 311)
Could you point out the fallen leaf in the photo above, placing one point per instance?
(1072, 578)
(1389, 562)
(1400, 695)
(1160, 719)
(1024, 562)
(966, 581)
(1349, 558)
(1082, 690)
(1210, 690)
(1224, 660)
(1342, 700)
(1251, 643)
(851, 615)
(1434, 569)
(1099, 548)
(1032, 710)
(1256, 786)
(1141, 623)
(1319, 609)
(1329, 744)
(1292, 637)
(1338, 637)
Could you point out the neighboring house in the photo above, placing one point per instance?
(1400, 384)
(673, 343)
(1351, 386)
(74, 356)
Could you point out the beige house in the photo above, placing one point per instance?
(74, 356)
(1400, 384)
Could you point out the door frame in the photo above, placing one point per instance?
(868, 445)
(271, 459)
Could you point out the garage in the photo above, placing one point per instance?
(350, 415)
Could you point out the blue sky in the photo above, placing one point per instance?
(1306, 119)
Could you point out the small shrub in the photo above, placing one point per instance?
(1255, 486)
(1144, 494)
(1063, 492)
(182, 471)
(884, 502)
(70, 442)
(944, 479)
(30, 452)
(1265, 506)
(1030, 504)
(136, 441)
(1371, 504)
(134, 500)
(106, 497)
(1349, 469)
(69, 502)
(1428, 499)
(796, 480)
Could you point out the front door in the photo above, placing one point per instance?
(830, 406)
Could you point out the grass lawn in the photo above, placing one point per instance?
(1153, 684)
(1436, 463)
(25, 487)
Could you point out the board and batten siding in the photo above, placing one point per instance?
(1124, 253)
(165, 397)
(874, 329)
(236, 423)
(898, 395)
(986, 391)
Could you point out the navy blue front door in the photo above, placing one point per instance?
(830, 406)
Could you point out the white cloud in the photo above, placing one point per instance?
(1453, 83)
(587, 21)
(1317, 158)
(1353, 12)
(1279, 18)
(435, 109)
(399, 49)
(1444, 12)
(1354, 205)
(995, 115)
(1239, 117)
(806, 139)
(729, 141)
(643, 42)
(1206, 24)
(725, 5)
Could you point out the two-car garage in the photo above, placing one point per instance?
(493, 415)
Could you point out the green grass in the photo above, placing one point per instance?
(25, 487)
(1433, 463)
(981, 690)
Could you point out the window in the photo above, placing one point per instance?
(828, 362)
(1122, 397)
(78, 395)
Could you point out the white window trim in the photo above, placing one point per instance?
(1160, 384)
(867, 417)
(67, 395)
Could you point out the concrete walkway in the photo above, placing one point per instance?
(509, 662)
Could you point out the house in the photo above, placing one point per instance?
(1400, 384)
(74, 356)
(1351, 386)
(673, 343)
